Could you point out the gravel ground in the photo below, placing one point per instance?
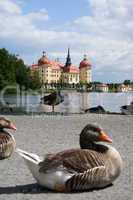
(45, 134)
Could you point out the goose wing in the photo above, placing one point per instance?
(74, 161)
(91, 178)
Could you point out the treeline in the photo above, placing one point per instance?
(13, 71)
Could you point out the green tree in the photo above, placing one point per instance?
(13, 71)
(7, 68)
(127, 82)
(34, 81)
(21, 73)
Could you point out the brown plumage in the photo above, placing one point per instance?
(75, 160)
(7, 141)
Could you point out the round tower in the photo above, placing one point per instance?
(85, 73)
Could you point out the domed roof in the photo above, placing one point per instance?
(85, 63)
(44, 60)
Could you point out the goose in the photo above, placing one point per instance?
(53, 99)
(7, 141)
(127, 109)
(94, 165)
(98, 109)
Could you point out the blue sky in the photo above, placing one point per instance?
(60, 11)
(102, 29)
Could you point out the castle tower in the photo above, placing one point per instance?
(85, 74)
(68, 59)
(70, 71)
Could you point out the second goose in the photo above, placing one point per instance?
(7, 141)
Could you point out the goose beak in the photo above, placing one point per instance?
(104, 137)
(12, 126)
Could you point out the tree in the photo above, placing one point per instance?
(127, 82)
(34, 81)
(7, 68)
(21, 73)
(13, 71)
(2, 82)
(89, 85)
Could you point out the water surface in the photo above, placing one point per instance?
(74, 102)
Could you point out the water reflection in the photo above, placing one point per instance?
(75, 102)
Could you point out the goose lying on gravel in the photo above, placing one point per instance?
(93, 166)
(7, 141)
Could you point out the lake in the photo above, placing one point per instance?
(74, 102)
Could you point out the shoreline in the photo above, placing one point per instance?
(59, 113)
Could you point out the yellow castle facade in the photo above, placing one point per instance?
(51, 71)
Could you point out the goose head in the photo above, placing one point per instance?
(92, 134)
(5, 123)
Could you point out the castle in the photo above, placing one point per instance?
(51, 71)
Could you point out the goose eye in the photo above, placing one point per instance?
(98, 130)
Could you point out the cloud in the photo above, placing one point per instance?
(110, 27)
(105, 34)
(42, 15)
(18, 28)
(8, 7)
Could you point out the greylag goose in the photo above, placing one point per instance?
(7, 141)
(53, 99)
(127, 109)
(93, 165)
(98, 109)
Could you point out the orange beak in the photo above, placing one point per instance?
(12, 126)
(104, 137)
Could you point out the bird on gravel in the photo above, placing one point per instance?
(127, 109)
(93, 165)
(7, 141)
(53, 99)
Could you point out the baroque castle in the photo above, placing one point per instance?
(51, 71)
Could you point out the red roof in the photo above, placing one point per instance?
(34, 66)
(43, 60)
(55, 65)
(85, 63)
(71, 69)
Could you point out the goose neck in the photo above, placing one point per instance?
(85, 144)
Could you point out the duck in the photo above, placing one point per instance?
(93, 165)
(98, 109)
(53, 99)
(7, 141)
(127, 109)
